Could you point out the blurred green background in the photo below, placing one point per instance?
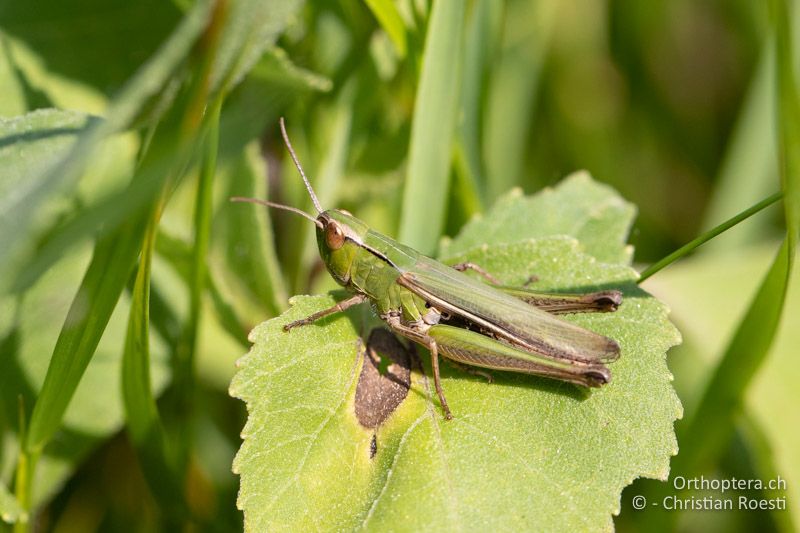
(400, 121)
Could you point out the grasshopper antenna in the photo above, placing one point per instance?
(277, 206)
(299, 168)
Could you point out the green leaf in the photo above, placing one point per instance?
(10, 509)
(248, 236)
(61, 174)
(249, 28)
(272, 84)
(433, 129)
(591, 212)
(31, 146)
(18, 94)
(97, 42)
(522, 453)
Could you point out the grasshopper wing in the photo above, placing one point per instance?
(506, 317)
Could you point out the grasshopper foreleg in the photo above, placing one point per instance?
(339, 307)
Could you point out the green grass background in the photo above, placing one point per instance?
(129, 282)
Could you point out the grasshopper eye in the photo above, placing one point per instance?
(334, 236)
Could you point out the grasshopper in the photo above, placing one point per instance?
(452, 314)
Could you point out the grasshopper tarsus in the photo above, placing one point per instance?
(291, 325)
(302, 322)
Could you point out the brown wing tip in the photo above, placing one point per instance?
(606, 301)
(612, 350)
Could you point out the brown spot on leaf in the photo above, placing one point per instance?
(378, 395)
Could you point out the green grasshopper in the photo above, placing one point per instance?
(452, 314)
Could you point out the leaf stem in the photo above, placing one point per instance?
(22, 482)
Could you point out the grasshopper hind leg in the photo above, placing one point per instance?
(599, 301)
(429, 342)
(470, 370)
(436, 379)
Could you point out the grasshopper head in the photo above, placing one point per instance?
(339, 236)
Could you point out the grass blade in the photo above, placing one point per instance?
(480, 36)
(711, 423)
(512, 92)
(178, 254)
(788, 123)
(144, 423)
(432, 130)
(163, 316)
(707, 236)
(91, 309)
(183, 375)
(761, 448)
(392, 23)
(115, 256)
(26, 462)
(748, 170)
(708, 428)
(329, 175)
